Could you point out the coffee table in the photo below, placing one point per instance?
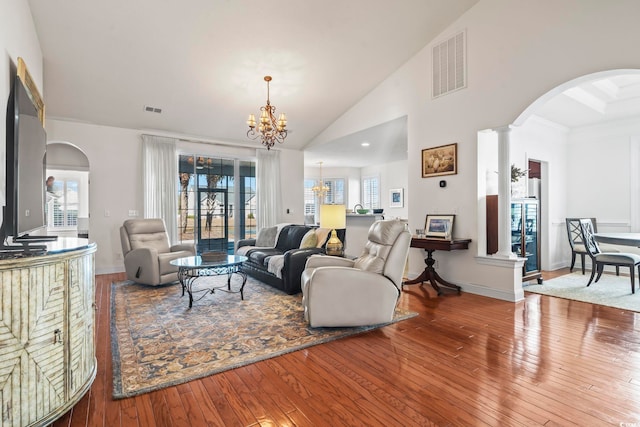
(193, 267)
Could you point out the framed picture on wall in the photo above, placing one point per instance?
(442, 160)
(439, 226)
(396, 198)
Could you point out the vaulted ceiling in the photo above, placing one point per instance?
(202, 62)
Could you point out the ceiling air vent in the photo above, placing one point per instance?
(449, 65)
(149, 109)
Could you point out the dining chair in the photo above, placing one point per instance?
(601, 259)
(577, 245)
(576, 242)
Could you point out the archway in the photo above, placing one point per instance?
(68, 193)
(597, 100)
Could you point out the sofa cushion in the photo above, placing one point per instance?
(259, 256)
(290, 237)
(243, 250)
(267, 237)
(322, 236)
(309, 240)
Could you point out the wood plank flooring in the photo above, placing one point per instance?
(464, 361)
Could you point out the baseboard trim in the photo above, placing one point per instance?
(492, 293)
(109, 270)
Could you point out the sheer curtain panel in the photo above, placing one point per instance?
(159, 174)
(268, 188)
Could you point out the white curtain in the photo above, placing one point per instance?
(160, 175)
(268, 188)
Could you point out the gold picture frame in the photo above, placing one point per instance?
(441, 160)
(32, 89)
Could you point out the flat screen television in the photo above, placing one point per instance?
(24, 211)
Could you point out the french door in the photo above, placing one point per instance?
(213, 214)
(216, 201)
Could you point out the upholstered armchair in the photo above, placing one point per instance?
(364, 291)
(147, 252)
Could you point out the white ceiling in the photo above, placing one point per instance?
(600, 100)
(387, 142)
(203, 61)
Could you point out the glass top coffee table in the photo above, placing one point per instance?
(193, 267)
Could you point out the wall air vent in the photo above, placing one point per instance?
(449, 60)
(149, 109)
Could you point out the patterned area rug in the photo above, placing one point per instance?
(611, 290)
(157, 341)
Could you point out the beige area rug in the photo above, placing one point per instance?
(157, 341)
(610, 290)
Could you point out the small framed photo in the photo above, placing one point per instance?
(439, 226)
(442, 160)
(396, 198)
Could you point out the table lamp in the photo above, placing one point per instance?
(333, 217)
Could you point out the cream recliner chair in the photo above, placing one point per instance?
(365, 291)
(147, 253)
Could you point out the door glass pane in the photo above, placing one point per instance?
(207, 191)
(531, 236)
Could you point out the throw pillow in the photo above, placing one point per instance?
(267, 237)
(309, 240)
(322, 234)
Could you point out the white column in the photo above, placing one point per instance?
(504, 194)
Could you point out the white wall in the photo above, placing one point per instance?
(547, 142)
(393, 175)
(517, 51)
(601, 163)
(116, 185)
(18, 38)
(350, 175)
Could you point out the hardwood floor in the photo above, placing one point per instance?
(465, 360)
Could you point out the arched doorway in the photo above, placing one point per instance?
(586, 134)
(68, 190)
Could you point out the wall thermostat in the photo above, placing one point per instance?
(443, 183)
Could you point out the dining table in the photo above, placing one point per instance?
(625, 239)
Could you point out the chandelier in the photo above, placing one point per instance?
(270, 130)
(320, 190)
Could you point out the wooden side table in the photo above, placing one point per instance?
(430, 274)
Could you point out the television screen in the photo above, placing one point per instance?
(26, 165)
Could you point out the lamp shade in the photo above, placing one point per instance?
(333, 216)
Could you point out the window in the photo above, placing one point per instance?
(371, 192)
(63, 200)
(336, 194)
(309, 197)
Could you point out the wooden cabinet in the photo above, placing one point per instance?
(47, 348)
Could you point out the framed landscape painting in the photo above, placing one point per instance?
(439, 226)
(442, 160)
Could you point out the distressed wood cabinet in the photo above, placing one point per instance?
(47, 317)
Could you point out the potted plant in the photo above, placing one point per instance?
(517, 188)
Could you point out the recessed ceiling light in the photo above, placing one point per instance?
(365, 144)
